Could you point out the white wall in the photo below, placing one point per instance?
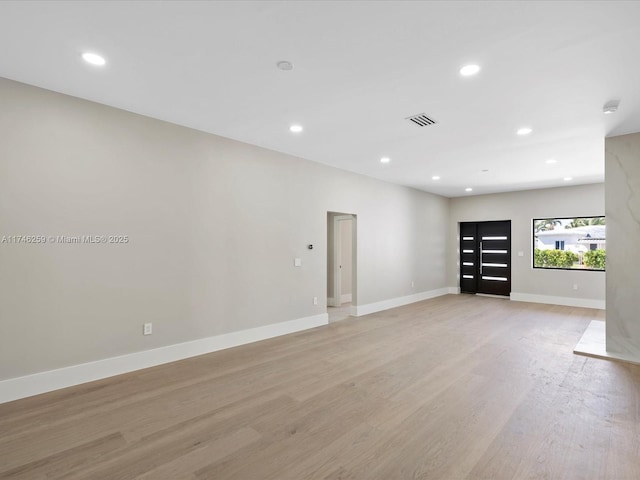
(213, 226)
(622, 165)
(553, 286)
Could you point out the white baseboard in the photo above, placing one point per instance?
(552, 300)
(360, 310)
(454, 290)
(21, 387)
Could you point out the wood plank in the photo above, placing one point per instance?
(456, 387)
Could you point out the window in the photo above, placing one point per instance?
(569, 243)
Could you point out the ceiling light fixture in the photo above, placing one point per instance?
(93, 59)
(435, 177)
(524, 131)
(385, 160)
(284, 65)
(485, 170)
(295, 128)
(568, 179)
(469, 70)
(551, 160)
(468, 189)
(610, 107)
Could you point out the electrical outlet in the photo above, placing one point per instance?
(575, 286)
(413, 284)
(315, 300)
(147, 329)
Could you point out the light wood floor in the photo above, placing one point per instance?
(338, 314)
(458, 387)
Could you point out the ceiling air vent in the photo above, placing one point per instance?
(421, 120)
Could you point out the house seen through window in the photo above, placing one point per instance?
(577, 243)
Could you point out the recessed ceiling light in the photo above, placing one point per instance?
(550, 161)
(295, 128)
(469, 70)
(485, 170)
(524, 131)
(435, 177)
(568, 179)
(284, 65)
(385, 160)
(93, 58)
(468, 189)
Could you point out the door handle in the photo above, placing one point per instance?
(480, 258)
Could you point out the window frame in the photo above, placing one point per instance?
(533, 244)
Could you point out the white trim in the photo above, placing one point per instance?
(567, 301)
(454, 290)
(360, 310)
(21, 387)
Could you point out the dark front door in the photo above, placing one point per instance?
(485, 257)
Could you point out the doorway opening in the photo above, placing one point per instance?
(341, 265)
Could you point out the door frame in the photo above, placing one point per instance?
(337, 257)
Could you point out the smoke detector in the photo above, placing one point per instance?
(610, 107)
(284, 65)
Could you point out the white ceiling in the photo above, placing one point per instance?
(360, 68)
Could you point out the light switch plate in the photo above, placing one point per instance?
(297, 262)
